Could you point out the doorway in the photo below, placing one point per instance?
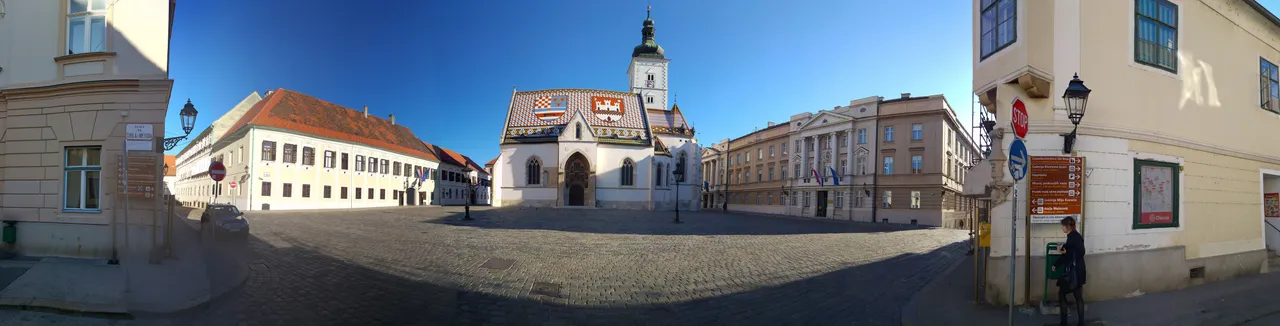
(822, 204)
(576, 179)
(1271, 209)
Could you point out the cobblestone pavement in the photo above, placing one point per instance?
(425, 266)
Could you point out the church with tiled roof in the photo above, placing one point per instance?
(601, 148)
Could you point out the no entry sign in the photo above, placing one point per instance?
(1020, 119)
(217, 171)
(233, 185)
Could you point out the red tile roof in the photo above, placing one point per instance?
(297, 112)
(451, 157)
(492, 162)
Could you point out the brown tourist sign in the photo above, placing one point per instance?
(142, 176)
(1055, 188)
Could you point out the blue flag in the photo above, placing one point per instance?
(835, 177)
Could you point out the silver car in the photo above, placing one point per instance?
(224, 221)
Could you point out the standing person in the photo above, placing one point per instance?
(1073, 276)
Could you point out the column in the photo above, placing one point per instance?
(848, 155)
(804, 155)
(831, 139)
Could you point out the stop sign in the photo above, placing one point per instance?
(1020, 119)
(217, 171)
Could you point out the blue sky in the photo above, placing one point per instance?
(446, 68)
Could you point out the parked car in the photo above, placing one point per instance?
(224, 220)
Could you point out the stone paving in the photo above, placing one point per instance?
(425, 266)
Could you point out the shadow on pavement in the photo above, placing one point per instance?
(654, 222)
(292, 283)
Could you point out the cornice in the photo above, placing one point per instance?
(1094, 129)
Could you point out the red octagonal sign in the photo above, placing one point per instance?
(1020, 119)
(217, 171)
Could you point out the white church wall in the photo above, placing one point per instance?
(514, 190)
(610, 193)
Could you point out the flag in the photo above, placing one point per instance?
(706, 186)
(815, 176)
(835, 177)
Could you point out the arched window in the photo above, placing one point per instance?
(628, 173)
(577, 131)
(658, 176)
(680, 164)
(533, 171)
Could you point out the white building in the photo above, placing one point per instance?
(598, 148)
(293, 151)
(192, 186)
(458, 173)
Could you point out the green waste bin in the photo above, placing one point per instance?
(1051, 256)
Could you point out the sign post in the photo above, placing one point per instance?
(217, 171)
(1018, 161)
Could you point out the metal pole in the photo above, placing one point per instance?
(126, 196)
(678, 198)
(1013, 247)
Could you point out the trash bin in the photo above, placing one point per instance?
(1051, 257)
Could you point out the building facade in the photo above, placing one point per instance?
(598, 148)
(1168, 203)
(832, 175)
(714, 161)
(70, 81)
(757, 170)
(460, 180)
(293, 151)
(193, 186)
(924, 154)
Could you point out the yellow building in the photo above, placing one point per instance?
(1184, 102)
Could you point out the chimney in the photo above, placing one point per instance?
(771, 123)
(906, 95)
(392, 118)
(366, 111)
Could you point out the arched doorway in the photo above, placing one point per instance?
(577, 174)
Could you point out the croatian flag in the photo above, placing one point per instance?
(835, 177)
(815, 176)
(417, 175)
(550, 108)
(706, 186)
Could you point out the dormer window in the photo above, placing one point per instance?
(86, 26)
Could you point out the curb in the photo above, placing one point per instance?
(117, 311)
(897, 226)
(238, 280)
(909, 310)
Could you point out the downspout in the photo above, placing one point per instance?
(252, 163)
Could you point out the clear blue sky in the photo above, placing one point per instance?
(446, 68)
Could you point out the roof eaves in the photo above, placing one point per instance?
(1263, 10)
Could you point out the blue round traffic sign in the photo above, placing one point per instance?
(1018, 160)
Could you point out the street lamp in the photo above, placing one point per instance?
(678, 173)
(188, 116)
(466, 197)
(1076, 97)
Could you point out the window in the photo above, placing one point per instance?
(784, 147)
(268, 150)
(738, 160)
(532, 170)
(888, 165)
(290, 153)
(308, 156)
(769, 200)
(759, 175)
(844, 139)
(359, 193)
(844, 167)
(395, 194)
(373, 165)
(240, 155)
(758, 199)
(760, 153)
(306, 191)
(577, 131)
(359, 163)
(649, 81)
(917, 131)
(888, 199)
(917, 164)
(328, 191)
(1155, 42)
(328, 159)
(382, 194)
(888, 134)
(798, 143)
(839, 199)
(86, 26)
(861, 161)
(798, 170)
(862, 135)
(82, 179)
(385, 165)
(1156, 194)
(288, 189)
(1270, 87)
(650, 99)
(915, 199)
(806, 199)
(395, 169)
(628, 173)
(857, 199)
(770, 173)
(344, 161)
(999, 25)
(782, 198)
(783, 171)
(770, 150)
(266, 189)
(748, 156)
(680, 164)
(794, 202)
(370, 193)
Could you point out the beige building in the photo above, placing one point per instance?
(193, 186)
(831, 162)
(72, 76)
(924, 153)
(714, 160)
(1178, 134)
(757, 171)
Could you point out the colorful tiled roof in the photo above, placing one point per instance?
(301, 113)
(554, 107)
(668, 122)
(171, 165)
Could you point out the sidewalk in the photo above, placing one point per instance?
(948, 300)
(135, 285)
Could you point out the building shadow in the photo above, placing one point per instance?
(290, 283)
(605, 221)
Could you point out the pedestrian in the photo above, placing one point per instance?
(1071, 262)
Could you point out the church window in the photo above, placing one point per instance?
(533, 167)
(680, 167)
(650, 99)
(658, 176)
(628, 173)
(649, 82)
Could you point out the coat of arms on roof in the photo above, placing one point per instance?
(550, 108)
(609, 109)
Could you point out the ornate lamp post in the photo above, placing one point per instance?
(678, 173)
(466, 197)
(1076, 97)
(188, 116)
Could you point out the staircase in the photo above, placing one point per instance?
(1273, 261)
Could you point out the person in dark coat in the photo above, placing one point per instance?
(1072, 261)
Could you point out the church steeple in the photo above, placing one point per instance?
(648, 47)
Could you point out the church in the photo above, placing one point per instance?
(601, 148)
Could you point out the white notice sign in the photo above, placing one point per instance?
(136, 131)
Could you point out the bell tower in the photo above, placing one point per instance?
(648, 71)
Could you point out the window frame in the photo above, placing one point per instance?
(1138, 17)
(269, 150)
(329, 157)
(994, 6)
(287, 155)
(533, 171)
(888, 134)
(1176, 177)
(917, 164)
(308, 155)
(917, 131)
(286, 191)
(344, 161)
(628, 177)
(888, 199)
(266, 189)
(1269, 86)
(360, 162)
(915, 199)
(88, 15)
(83, 170)
(888, 166)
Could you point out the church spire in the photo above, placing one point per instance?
(648, 47)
